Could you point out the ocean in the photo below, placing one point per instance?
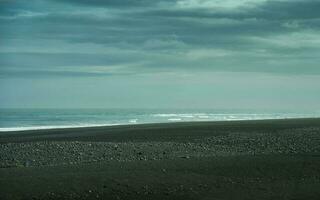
(33, 119)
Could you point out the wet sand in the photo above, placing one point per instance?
(265, 159)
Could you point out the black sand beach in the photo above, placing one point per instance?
(267, 159)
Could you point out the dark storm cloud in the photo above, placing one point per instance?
(137, 26)
(116, 3)
(290, 10)
(9, 8)
(271, 10)
(4, 12)
(136, 30)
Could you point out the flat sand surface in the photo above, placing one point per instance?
(265, 159)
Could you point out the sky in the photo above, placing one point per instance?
(217, 54)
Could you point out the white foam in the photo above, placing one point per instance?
(183, 115)
(164, 115)
(133, 120)
(174, 119)
(203, 116)
(8, 129)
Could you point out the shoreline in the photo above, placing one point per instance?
(156, 130)
(68, 127)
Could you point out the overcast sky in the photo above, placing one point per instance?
(256, 54)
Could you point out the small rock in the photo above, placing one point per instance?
(185, 157)
(27, 163)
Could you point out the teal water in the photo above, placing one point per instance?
(32, 119)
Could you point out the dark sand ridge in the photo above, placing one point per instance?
(267, 159)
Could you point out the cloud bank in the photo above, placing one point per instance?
(143, 36)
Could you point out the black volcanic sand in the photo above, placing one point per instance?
(267, 159)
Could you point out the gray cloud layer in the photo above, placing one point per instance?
(114, 3)
(138, 36)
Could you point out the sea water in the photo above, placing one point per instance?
(33, 119)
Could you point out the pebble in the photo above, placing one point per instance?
(52, 153)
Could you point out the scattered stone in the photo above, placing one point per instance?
(51, 153)
(185, 157)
